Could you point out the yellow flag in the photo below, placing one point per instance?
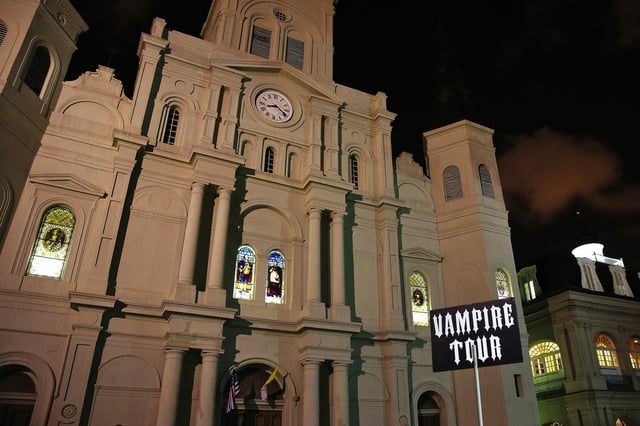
(263, 390)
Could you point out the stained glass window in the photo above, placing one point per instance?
(502, 284)
(275, 278)
(51, 248)
(244, 281)
(419, 299)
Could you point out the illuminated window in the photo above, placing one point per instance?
(545, 358)
(353, 170)
(452, 183)
(170, 120)
(502, 284)
(606, 351)
(38, 70)
(529, 290)
(419, 299)
(260, 42)
(244, 281)
(269, 157)
(51, 248)
(633, 345)
(275, 278)
(485, 181)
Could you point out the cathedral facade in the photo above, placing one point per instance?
(235, 243)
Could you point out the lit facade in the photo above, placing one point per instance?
(583, 318)
(242, 212)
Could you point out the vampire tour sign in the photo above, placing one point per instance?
(492, 327)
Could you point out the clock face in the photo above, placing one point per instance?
(274, 106)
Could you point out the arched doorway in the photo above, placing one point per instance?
(428, 410)
(251, 409)
(17, 395)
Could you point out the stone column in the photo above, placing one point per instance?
(314, 306)
(208, 383)
(311, 390)
(185, 290)
(218, 247)
(168, 404)
(338, 310)
(340, 391)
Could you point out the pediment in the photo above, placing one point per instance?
(422, 254)
(68, 183)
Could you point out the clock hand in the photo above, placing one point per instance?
(274, 105)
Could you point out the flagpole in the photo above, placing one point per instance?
(475, 368)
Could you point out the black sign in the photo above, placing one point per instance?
(491, 327)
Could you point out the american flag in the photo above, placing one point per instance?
(234, 390)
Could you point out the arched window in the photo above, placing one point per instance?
(502, 284)
(353, 170)
(419, 299)
(485, 181)
(275, 278)
(260, 42)
(170, 121)
(38, 70)
(545, 358)
(244, 283)
(294, 55)
(51, 248)
(269, 158)
(633, 344)
(452, 183)
(606, 351)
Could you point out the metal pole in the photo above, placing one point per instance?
(475, 368)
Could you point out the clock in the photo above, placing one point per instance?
(274, 106)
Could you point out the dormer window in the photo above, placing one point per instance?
(260, 42)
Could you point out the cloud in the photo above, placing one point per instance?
(544, 172)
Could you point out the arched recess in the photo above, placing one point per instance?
(440, 396)
(6, 204)
(43, 379)
(281, 394)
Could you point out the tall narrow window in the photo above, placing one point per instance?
(38, 69)
(502, 284)
(245, 262)
(294, 55)
(3, 32)
(353, 170)
(260, 42)
(419, 299)
(428, 409)
(485, 181)
(633, 345)
(170, 120)
(452, 183)
(529, 290)
(269, 157)
(275, 278)
(606, 351)
(51, 248)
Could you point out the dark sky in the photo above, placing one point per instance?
(558, 82)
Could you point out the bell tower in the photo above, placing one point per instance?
(37, 40)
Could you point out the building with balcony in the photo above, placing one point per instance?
(582, 313)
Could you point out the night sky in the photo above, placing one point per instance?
(558, 82)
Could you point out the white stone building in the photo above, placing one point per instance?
(241, 212)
